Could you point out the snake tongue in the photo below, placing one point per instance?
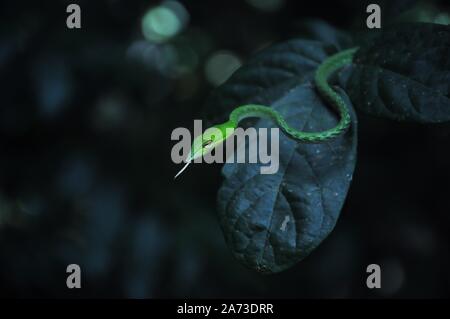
(184, 167)
(188, 161)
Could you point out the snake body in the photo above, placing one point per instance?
(207, 141)
(323, 72)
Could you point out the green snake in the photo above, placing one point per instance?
(205, 142)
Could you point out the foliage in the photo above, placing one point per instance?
(401, 72)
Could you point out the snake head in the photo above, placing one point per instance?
(212, 137)
(207, 141)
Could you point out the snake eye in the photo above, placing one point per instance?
(206, 143)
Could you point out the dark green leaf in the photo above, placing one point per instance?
(308, 191)
(425, 12)
(403, 73)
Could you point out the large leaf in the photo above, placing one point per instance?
(271, 222)
(403, 73)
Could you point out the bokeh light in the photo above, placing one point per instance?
(220, 66)
(442, 18)
(171, 60)
(165, 21)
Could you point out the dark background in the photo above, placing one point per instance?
(86, 175)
